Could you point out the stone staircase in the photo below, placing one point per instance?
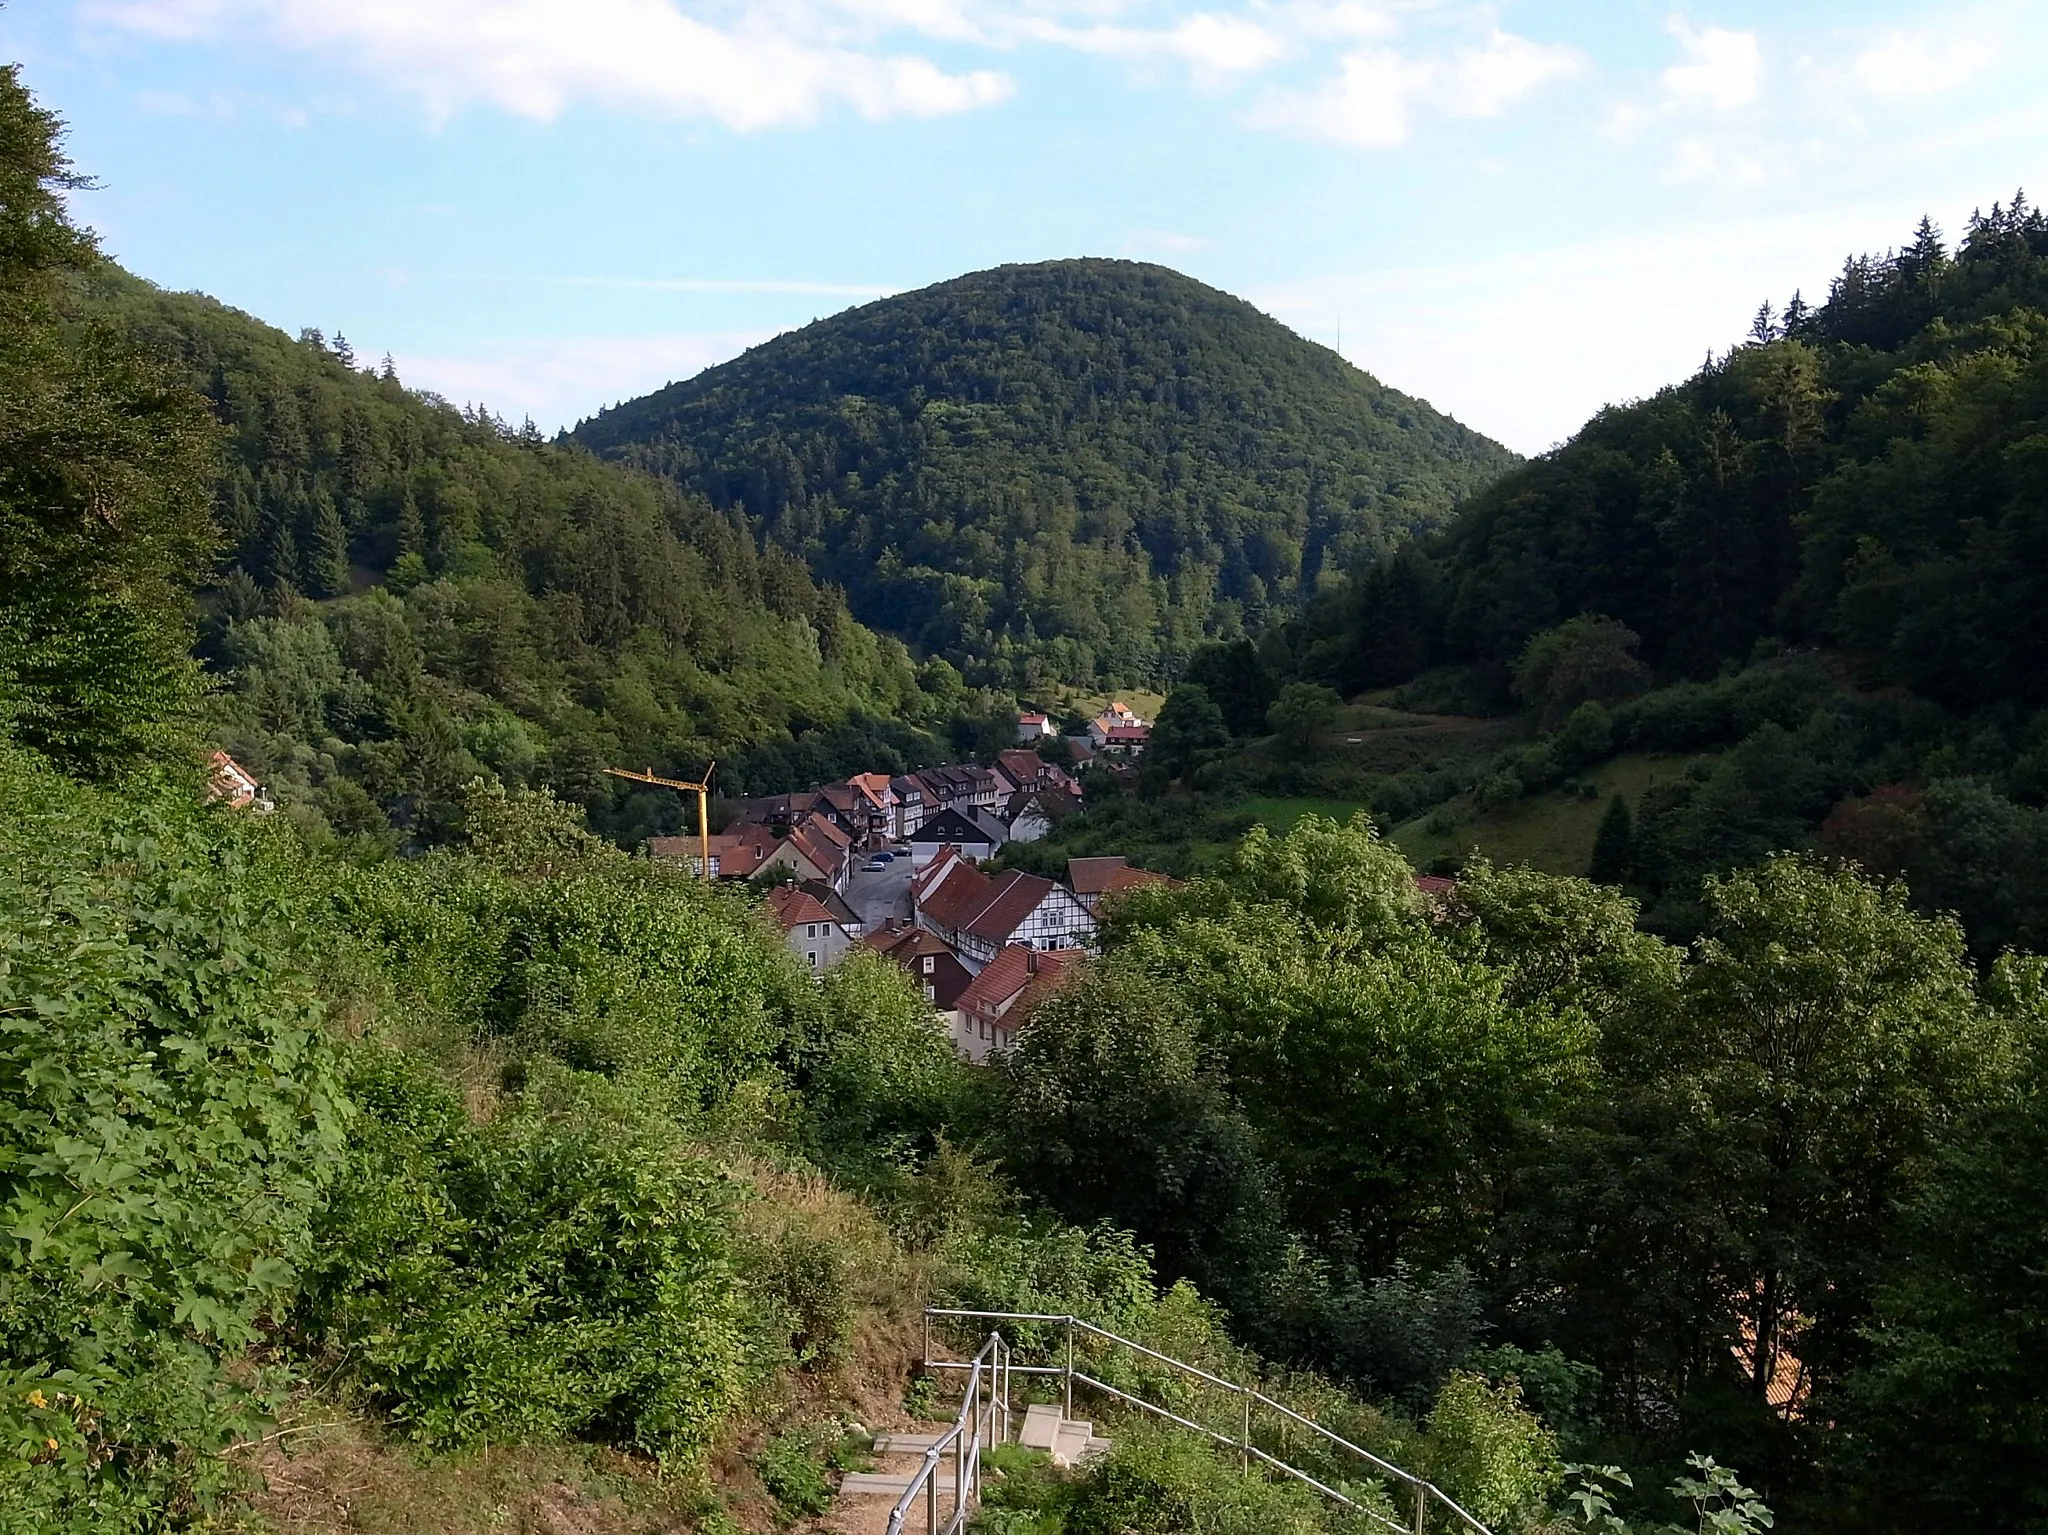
(1069, 1441)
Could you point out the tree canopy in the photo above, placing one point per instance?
(1070, 471)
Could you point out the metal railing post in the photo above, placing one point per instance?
(1245, 1393)
(1421, 1506)
(1068, 1410)
(931, 1503)
(927, 1342)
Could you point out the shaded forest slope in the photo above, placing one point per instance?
(1069, 471)
(410, 595)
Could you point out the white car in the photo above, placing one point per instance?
(873, 866)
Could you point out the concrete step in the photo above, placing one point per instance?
(905, 1444)
(1041, 1427)
(866, 1484)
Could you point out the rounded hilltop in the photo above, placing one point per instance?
(1091, 462)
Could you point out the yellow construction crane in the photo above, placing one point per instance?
(701, 787)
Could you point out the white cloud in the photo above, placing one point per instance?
(559, 382)
(1527, 345)
(536, 58)
(1698, 159)
(1723, 69)
(1379, 89)
(1215, 46)
(1907, 64)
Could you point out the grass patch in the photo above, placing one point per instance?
(1278, 814)
(1551, 830)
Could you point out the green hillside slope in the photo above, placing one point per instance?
(409, 596)
(1826, 552)
(1067, 471)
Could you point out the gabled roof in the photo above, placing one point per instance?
(843, 797)
(908, 783)
(1031, 719)
(821, 853)
(1016, 979)
(1090, 876)
(965, 892)
(949, 823)
(924, 881)
(824, 827)
(1128, 733)
(832, 901)
(792, 907)
(1013, 896)
(1134, 879)
(1056, 805)
(876, 787)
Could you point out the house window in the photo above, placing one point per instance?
(931, 993)
(811, 930)
(931, 964)
(813, 958)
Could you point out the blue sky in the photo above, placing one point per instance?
(1518, 211)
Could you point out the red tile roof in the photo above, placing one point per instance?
(965, 892)
(1017, 977)
(1132, 879)
(1013, 896)
(1090, 876)
(793, 907)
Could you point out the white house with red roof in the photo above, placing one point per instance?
(809, 927)
(1033, 727)
(998, 1003)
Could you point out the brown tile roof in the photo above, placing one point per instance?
(1013, 896)
(875, 786)
(1131, 879)
(821, 853)
(793, 907)
(824, 827)
(965, 892)
(1090, 876)
(1435, 884)
(1018, 976)
(832, 901)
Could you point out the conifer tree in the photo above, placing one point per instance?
(326, 560)
(1614, 852)
(105, 489)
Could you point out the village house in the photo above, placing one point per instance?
(945, 895)
(974, 834)
(842, 912)
(1024, 909)
(994, 1009)
(813, 849)
(932, 967)
(876, 790)
(1016, 769)
(910, 807)
(1093, 878)
(808, 927)
(229, 783)
(1033, 727)
(1030, 814)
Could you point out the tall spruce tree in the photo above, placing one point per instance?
(104, 488)
(1614, 845)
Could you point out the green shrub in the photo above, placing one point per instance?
(168, 1110)
(1167, 1482)
(1488, 1451)
(793, 1471)
(559, 1271)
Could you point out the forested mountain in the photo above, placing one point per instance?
(1068, 471)
(1826, 555)
(1870, 474)
(409, 595)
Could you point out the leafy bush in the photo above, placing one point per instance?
(1488, 1451)
(168, 1113)
(559, 1271)
(792, 1469)
(1166, 1482)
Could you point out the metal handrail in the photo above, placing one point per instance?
(984, 1419)
(1425, 1493)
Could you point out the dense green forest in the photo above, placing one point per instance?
(409, 595)
(1071, 472)
(1816, 568)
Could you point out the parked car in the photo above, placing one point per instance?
(885, 857)
(873, 866)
